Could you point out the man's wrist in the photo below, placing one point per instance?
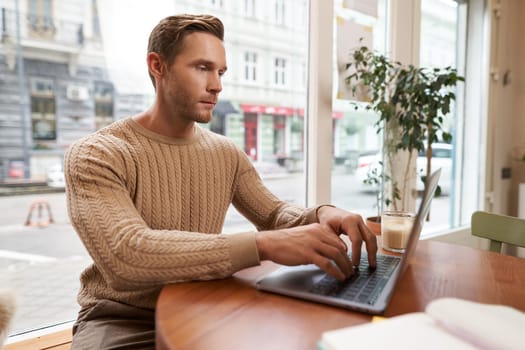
(260, 243)
(320, 209)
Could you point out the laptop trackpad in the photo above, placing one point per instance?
(293, 277)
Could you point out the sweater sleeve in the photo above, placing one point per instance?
(261, 207)
(128, 253)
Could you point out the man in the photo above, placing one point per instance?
(148, 197)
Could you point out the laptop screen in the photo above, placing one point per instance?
(424, 206)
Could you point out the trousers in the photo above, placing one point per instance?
(113, 325)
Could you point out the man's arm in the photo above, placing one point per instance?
(292, 236)
(130, 254)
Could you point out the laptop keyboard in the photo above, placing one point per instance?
(364, 286)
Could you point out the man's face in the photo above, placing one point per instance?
(192, 84)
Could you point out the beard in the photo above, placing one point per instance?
(190, 108)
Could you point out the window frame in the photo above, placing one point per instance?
(43, 108)
(280, 71)
(279, 12)
(250, 66)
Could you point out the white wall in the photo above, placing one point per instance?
(503, 129)
(505, 123)
(517, 77)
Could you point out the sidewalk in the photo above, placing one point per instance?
(46, 286)
(46, 293)
(20, 188)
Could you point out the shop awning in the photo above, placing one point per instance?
(224, 107)
(289, 111)
(248, 108)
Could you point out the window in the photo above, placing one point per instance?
(250, 66)
(280, 13)
(355, 139)
(43, 118)
(266, 94)
(40, 17)
(103, 105)
(69, 99)
(249, 8)
(279, 71)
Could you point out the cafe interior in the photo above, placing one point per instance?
(473, 270)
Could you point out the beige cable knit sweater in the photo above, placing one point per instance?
(149, 210)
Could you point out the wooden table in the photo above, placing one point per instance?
(232, 314)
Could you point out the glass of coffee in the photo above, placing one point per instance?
(395, 230)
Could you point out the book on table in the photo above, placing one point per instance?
(446, 323)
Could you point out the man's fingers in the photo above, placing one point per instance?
(329, 267)
(356, 237)
(343, 263)
(371, 244)
(339, 257)
(357, 234)
(356, 252)
(335, 241)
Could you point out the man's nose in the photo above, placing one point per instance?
(215, 84)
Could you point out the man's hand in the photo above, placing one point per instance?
(315, 244)
(355, 228)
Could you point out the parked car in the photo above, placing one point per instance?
(55, 176)
(366, 162)
(441, 158)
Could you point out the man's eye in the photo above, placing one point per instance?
(204, 68)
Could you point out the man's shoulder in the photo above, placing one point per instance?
(112, 136)
(112, 131)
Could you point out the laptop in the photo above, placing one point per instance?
(368, 290)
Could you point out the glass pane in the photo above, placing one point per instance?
(356, 143)
(261, 109)
(439, 49)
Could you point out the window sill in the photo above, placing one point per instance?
(39, 332)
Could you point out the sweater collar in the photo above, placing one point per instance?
(161, 138)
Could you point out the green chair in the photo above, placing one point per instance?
(498, 229)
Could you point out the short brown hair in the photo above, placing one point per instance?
(167, 37)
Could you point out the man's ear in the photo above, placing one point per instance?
(156, 64)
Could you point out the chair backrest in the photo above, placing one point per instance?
(499, 229)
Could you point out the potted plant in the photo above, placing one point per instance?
(410, 103)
